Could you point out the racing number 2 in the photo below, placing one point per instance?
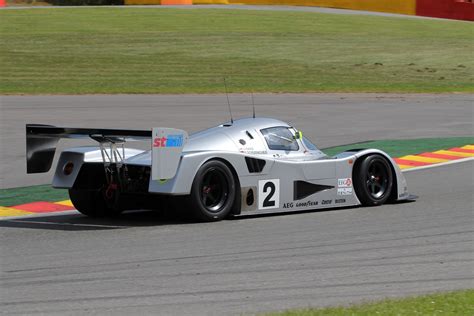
(268, 202)
(269, 194)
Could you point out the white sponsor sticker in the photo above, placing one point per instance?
(344, 183)
(344, 191)
(269, 194)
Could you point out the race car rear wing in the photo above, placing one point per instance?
(166, 143)
(41, 141)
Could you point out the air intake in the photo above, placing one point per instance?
(255, 165)
(303, 189)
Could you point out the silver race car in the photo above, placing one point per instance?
(246, 166)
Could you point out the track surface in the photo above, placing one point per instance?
(328, 119)
(144, 263)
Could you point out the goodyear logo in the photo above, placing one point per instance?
(169, 141)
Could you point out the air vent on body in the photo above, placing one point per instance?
(304, 189)
(255, 165)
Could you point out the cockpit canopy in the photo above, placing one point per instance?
(256, 136)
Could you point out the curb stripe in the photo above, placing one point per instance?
(9, 211)
(65, 202)
(400, 161)
(42, 207)
(433, 155)
(423, 159)
(451, 162)
(428, 159)
(404, 166)
(453, 153)
(462, 150)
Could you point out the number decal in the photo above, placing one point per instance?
(269, 194)
(268, 202)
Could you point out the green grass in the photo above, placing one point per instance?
(443, 304)
(399, 148)
(153, 50)
(16, 196)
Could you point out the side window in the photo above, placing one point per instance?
(309, 144)
(280, 138)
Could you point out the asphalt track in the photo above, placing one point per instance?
(328, 119)
(144, 263)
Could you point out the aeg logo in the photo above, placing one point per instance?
(170, 141)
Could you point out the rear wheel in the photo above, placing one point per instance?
(91, 203)
(213, 192)
(373, 180)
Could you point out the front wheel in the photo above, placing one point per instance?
(213, 192)
(373, 180)
(91, 203)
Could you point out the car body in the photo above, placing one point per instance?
(246, 166)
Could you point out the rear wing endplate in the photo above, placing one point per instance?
(167, 146)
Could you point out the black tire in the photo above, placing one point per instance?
(91, 203)
(373, 180)
(213, 192)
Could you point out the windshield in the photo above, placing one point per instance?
(280, 138)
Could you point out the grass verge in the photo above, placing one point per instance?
(446, 304)
(16, 196)
(163, 50)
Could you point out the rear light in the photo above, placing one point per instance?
(68, 168)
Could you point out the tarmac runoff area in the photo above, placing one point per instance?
(142, 263)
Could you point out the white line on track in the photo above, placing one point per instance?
(39, 215)
(65, 224)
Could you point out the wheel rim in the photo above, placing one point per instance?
(377, 179)
(214, 190)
